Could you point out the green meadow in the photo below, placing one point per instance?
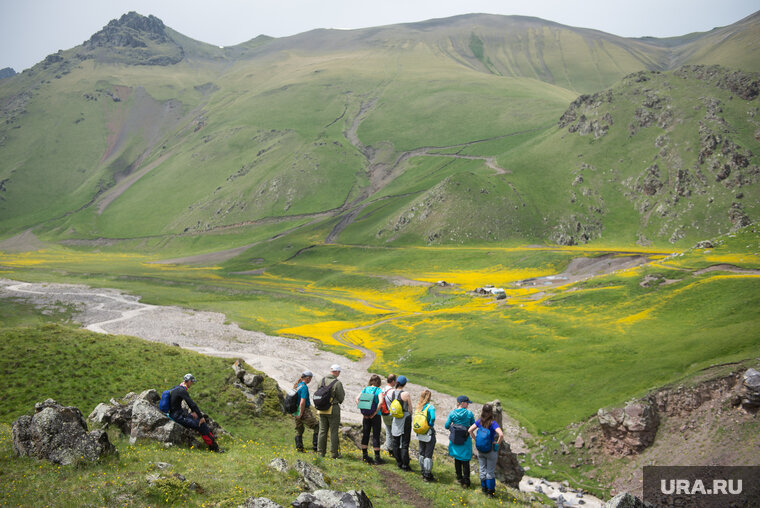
(552, 355)
(82, 369)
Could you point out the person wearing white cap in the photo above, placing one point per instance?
(304, 415)
(330, 390)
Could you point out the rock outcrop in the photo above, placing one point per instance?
(749, 391)
(333, 499)
(628, 430)
(139, 417)
(252, 386)
(59, 434)
(310, 478)
(626, 500)
(508, 468)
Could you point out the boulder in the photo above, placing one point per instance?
(628, 430)
(259, 502)
(59, 434)
(749, 392)
(333, 499)
(310, 478)
(579, 442)
(139, 417)
(149, 423)
(252, 386)
(508, 468)
(626, 500)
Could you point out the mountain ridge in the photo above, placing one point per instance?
(235, 135)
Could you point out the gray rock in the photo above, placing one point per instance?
(150, 423)
(259, 502)
(311, 477)
(579, 442)
(626, 500)
(508, 468)
(58, 434)
(750, 390)
(333, 499)
(279, 464)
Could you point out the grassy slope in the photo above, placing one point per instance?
(82, 369)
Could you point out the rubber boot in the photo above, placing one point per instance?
(378, 458)
(315, 438)
(299, 443)
(491, 486)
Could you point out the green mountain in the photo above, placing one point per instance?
(458, 130)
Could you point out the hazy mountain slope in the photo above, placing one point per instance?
(142, 132)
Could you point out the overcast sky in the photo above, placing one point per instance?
(32, 29)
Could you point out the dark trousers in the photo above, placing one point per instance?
(372, 425)
(463, 471)
(400, 444)
(188, 421)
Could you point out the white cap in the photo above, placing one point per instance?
(335, 368)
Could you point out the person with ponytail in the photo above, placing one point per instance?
(426, 439)
(488, 436)
(372, 423)
(304, 415)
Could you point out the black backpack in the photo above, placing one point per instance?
(291, 402)
(322, 398)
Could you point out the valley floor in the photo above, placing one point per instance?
(283, 359)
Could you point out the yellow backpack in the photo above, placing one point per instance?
(420, 422)
(397, 410)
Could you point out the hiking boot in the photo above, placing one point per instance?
(428, 478)
(368, 460)
(405, 467)
(338, 456)
(379, 460)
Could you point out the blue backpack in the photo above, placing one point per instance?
(165, 403)
(484, 440)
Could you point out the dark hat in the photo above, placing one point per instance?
(463, 398)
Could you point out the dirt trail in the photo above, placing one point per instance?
(283, 359)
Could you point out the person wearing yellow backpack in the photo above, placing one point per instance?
(401, 429)
(422, 425)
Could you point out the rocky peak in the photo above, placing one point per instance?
(130, 31)
(7, 73)
(133, 39)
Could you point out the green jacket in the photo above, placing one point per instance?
(338, 393)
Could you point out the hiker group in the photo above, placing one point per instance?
(391, 406)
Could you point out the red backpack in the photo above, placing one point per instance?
(384, 403)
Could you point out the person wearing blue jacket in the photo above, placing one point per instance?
(304, 415)
(426, 439)
(460, 442)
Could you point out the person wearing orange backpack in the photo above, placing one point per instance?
(385, 412)
(422, 425)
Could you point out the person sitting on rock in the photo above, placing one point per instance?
(193, 420)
